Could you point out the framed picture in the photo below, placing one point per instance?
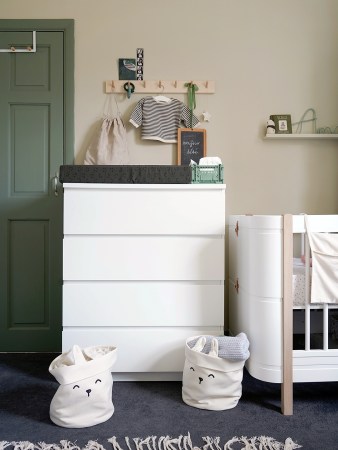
(191, 145)
(127, 69)
(282, 123)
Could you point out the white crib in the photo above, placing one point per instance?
(292, 339)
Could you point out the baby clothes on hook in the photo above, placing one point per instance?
(160, 118)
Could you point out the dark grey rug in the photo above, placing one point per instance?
(145, 409)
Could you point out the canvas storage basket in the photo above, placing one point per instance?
(84, 397)
(210, 381)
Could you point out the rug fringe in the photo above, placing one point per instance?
(162, 443)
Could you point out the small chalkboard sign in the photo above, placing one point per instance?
(191, 145)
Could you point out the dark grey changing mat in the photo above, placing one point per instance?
(145, 174)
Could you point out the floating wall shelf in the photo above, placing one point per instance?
(301, 136)
(159, 86)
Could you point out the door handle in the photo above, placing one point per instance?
(55, 181)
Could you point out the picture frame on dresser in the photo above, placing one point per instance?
(191, 145)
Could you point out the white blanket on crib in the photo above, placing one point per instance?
(324, 249)
(299, 282)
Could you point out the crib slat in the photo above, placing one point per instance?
(307, 293)
(325, 327)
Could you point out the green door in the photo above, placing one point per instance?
(32, 137)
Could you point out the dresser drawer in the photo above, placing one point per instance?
(142, 304)
(189, 210)
(143, 258)
(140, 349)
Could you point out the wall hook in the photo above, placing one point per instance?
(28, 49)
(129, 87)
(157, 86)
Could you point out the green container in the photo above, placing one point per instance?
(207, 174)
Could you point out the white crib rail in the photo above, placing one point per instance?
(319, 223)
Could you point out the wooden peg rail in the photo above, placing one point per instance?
(159, 86)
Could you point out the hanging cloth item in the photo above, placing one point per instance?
(324, 249)
(160, 118)
(192, 88)
(109, 146)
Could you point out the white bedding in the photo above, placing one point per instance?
(298, 282)
(324, 251)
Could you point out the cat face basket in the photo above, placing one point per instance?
(213, 371)
(84, 397)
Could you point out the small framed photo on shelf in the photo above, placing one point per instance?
(282, 123)
(191, 145)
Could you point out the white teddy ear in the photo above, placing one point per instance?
(77, 355)
(213, 347)
(198, 347)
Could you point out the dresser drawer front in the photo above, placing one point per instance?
(143, 258)
(140, 349)
(144, 211)
(142, 304)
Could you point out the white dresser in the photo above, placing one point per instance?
(143, 269)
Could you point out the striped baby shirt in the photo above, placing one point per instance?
(160, 118)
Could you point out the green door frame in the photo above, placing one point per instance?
(67, 27)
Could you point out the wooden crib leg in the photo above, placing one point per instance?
(287, 384)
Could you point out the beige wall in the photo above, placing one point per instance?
(265, 57)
